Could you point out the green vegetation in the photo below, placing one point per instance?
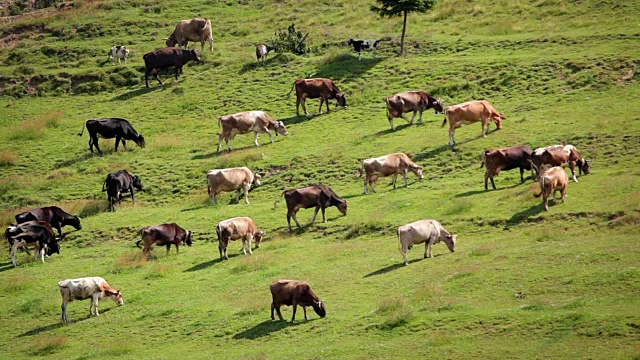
(561, 71)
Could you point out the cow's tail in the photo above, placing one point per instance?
(399, 241)
(275, 203)
(219, 122)
(444, 122)
(386, 101)
(542, 186)
(138, 242)
(290, 91)
(82, 132)
(104, 185)
(484, 159)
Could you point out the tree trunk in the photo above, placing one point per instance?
(404, 30)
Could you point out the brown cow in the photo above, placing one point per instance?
(294, 292)
(164, 235)
(470, 112)
(244, 122)
(416, 101)
(55, 216)
(392, 164)
(507, 158)
(238, 228)
(551, 180)
(318, 196)
(321, 88)
(194, 30)
(560, 155)
(231, 179)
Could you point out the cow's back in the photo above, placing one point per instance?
(421, 230)
(230, 178)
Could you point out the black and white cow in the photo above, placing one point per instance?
(119, 52)
(364, 45)
(119, 182)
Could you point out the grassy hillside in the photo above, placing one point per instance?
(561, 71)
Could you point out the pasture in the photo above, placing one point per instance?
(561, 72)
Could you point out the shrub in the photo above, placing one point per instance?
(291, 40)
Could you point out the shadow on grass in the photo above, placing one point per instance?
(387, 131)
(6, 266)
(274, 61)
(206, 264)
(475, 192)
(83, 157)
(57, 325)
(433, 152)
(517, 218)
(345, 67)
(265, 328)
(390, 268)
(133, 93)
(196, 208)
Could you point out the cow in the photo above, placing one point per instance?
(295, 292)
(164, 235)
(392, 164)
(118, 182)
(552, 179)
(321, 88)
(238, 228)
(318, 196)
(470, 112)
(560, 155)
(262, 51)
(364, 45)
(55, 216)
(231, 179)
(194, 30)
(95, 288)
(244, 122)
(32, 233)
(496, 160)
(424, 231)
(416, 101)
(119, 52)
(109, 128)
(165, 58)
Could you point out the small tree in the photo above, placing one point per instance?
(393, 8)
(291, 40)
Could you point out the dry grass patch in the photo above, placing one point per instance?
(48, 345)
(15, 283)
(396, 310)
(7, 158)
(129, 260)
(34, 128)
(85, 207)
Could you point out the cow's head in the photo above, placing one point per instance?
(188, 239)
(343, 207)
(137, 183)
(139, 140)
(171, 41)
(438, 106)
(74, 221)
(342, 100)
(450, 240)
(319, 308)
(256, 179)
(417, 169)
(498, 120)
(584, 166)
(117, 297)
(281, 129)
(350, 41)
(53, 248)
(258, 237)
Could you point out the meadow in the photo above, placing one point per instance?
(561, 71)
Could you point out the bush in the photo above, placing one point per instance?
(291, 40)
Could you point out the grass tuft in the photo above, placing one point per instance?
(7, 158)
(48, 345)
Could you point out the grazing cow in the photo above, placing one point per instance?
(238, 228)
(560, 155)
(118, 182)
(424, 231)
(32, 233)
(551, 180)
(321, 88)
(262, 51)
(392, 164)
(416, 101)
(119, 52)
(164, 235)
(496, 160)
(232, 179)
(55, 216)
(318, 196)
(294, 292)
(364, 45)
(95, 288)
(194, 30)
(244, 122)
(109, 128)
(470, 112)
(165, 58)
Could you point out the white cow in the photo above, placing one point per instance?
(424, 231)
(119, 52)
(231, 179)
(244, 122)
(84, 288)
(238, 228)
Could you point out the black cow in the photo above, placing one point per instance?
(55, 216)
(363, 45)
(166, 58)
(32, 233)
(496, 160)
(109, 128)
(318, 196)
(117, 183)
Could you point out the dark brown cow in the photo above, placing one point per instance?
(509, 158)
(321, 88)
(165, 58)
(294, 292)
(318, 196)
(55, 216)
(416, 101)
(560, 155)
(164, 234)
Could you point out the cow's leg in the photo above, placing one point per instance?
(572, 166)
(14, 249)
(366, 182)
(90, 143)
(324, 219)
(133, 198)
(246, 193)
(255, 139)
(124, 144)
(393, 128)
(270, 135)
(428, 246)
(244, 244)
(289, 220)
(117, 142)
(249, 239)
(297, 106)
(521, 174)
(220, 137)
(304, 309)
(372, 183)
(303, 102)
(155, 76)
(563, 192)
(321, 102)
(273, 307)
(146, 78)
(178, 69)
(395, 176)
(295, 307)
(295, 218)
(226, 140)
(95, 143)
(327, 102)
(168, 248)
(404, 174)
(279, 313)
(64, 311)
(238, 192)
(420, 118)
(545, 199)
(413, 117)
(315, 212)
(213, 198)
(95, 305)
(486, 178)
(485, 125)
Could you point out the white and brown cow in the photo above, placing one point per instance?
(164, 235)
(424, 231)
(321, 88)
(248, 121)
(194, 30)
(238, 228)
(469, 113)
(392, 164)
(232, 179)
(551, 180)
(95, 288)
(416, 101)
(560, 155)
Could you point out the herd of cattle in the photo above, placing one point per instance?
(35, 228)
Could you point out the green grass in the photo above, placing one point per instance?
(557, 69)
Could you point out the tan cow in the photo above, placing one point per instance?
(392, 164)
(238, 228)
(244, 122)
(321, 88)
(416, 101)
(551, 180)
(195, 30)
(232, 179)
(470, 112)
(424, 231)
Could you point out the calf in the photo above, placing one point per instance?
(364, 45)
(470, 112)
(262, 51)
(321, 88)
(496, 160)
(244, 122)
(424, 231)
(392, 164)
(95, 288)
(232, 179)
(118, 182)
(165, 58)
(238, 228)
(294, 292)
(318, 196)
(55, 216)
(164, 235)
(552, 180)
(119, 52)
(416, 101)
(109, 128)
(38, 234)
(560, 155)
